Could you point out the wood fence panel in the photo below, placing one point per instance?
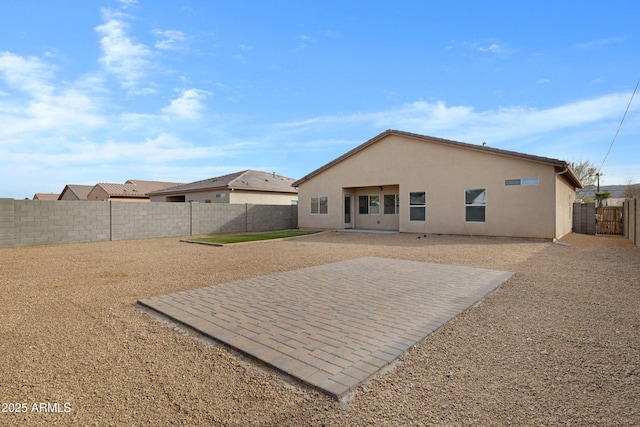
(609, 220)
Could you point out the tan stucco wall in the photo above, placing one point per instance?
(565, 197)
(97, 193)
(68, 195)
(200, 197)
(258, 198)
(236, 197)
(129, 200)
(444, 172)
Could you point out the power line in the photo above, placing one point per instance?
(621, 121)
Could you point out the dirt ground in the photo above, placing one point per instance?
(558, 344)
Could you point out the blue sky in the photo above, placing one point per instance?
(105, 91)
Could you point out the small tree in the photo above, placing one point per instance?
(632, 190)
(587, 173)
(600, 196)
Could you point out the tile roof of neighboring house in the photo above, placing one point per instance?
(45, 196)
(149, 186)
(244, 180)
(121, 190)
(80, 191)
(134, 188)
(555, 162)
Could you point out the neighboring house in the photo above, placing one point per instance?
(613, 201)
(75, 192)
(45, 196)
(249, 186)
(131, 191)
(421, 184)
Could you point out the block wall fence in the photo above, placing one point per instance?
(631, 220)
(584, 218)
(36, 222)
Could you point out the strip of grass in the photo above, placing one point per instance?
(254, 237)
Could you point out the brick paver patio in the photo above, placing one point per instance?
(336, 325)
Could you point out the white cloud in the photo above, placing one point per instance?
(303, 42)
(188, 105)
(35, 105)
(485, 46)
(26, 74)
(493, 48)
(506, 125)
(121, 55)
(170, 39)
(599, 43)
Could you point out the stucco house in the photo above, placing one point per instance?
(248, 186)
(131, 191)
(75, 192)
(415, 183)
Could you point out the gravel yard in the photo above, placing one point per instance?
(559, 343)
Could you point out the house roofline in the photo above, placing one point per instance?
(481, 148)
(230, 189)
(229, 182)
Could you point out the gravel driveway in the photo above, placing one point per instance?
(557, 344)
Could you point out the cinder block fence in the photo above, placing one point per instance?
(36, 222)
(631, 220)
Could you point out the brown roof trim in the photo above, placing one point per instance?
(573, 179)
(246, 180)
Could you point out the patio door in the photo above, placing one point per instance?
(348, 211)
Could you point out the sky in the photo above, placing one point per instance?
(184, 90)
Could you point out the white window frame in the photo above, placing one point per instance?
(530, 181)
(369, 204)
(319, 205)
(475, 204)
(413, 206)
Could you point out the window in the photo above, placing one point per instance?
(391, 204)
(320, 205)
(369, 205)
(475, 203)
(418, 206)
(523, 181)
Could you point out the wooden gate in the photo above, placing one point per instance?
(609, 220)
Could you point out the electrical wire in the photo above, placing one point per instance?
(619, 126)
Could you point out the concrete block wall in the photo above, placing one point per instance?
(584, 218)
(130, 221)
(35, 222)
(631, 217)
(271, 217)
(38, 222)
(6, 223)
(212, 218)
